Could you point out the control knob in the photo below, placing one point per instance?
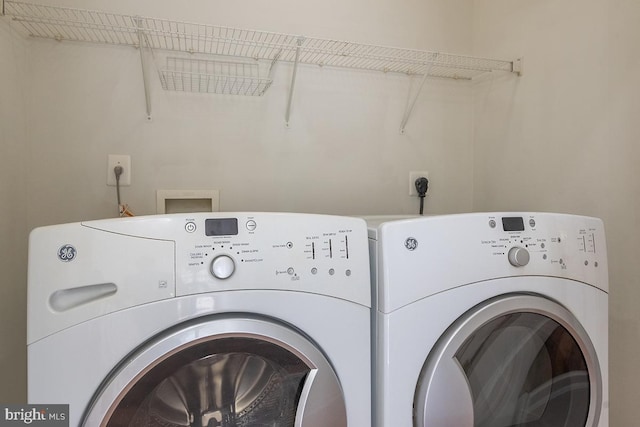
(222, 267)
(518, 257)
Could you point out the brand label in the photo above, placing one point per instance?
(67, 253)
(411, 244)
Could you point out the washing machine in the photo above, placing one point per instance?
(490, 320)
(217, 319)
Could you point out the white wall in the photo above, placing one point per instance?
(343, 153)
(564, 137)
(13, 224)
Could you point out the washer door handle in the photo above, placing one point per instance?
(320, 402)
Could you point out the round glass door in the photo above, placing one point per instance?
(261, 374)
(519, 361)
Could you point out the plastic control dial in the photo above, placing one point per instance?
(518, 257)
(223, 267)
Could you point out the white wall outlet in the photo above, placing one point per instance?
(123, 160)
(412, 181)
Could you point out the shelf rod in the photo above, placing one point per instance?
(293, 81)
(412, 104)
(147, 96)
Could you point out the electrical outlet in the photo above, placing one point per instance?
(412, 181)
(123, 160)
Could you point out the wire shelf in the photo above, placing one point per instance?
(101, 27)
(208, 76)
(73, 24)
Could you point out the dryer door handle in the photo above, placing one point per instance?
(447, 398)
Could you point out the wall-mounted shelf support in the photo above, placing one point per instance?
(287, 115)
(1, 7)
(145, 79)
(412, 103)
(275, 59)
(518, 66)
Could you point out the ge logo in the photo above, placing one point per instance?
(67, 253)
(411, 244)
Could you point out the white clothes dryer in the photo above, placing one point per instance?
(217, 319)
(490, 320)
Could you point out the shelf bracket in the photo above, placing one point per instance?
(517, 66)
(293, 81)
(412, 103)
(145, 79)
(1, 7)
(275, 59)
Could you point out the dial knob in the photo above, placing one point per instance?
(222, 267)
(518, 257)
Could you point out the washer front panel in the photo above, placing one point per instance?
(514, 361)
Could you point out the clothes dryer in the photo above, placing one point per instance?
(218, 319)
(490, 320)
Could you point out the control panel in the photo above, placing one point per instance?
(559, 244)
(320, 254)
(423, 256)
(312, 253)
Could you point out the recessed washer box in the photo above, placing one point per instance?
(186, 201)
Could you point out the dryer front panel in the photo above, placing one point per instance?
(502, 365)
(227, 373)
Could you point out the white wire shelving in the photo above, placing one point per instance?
(61, 23)
(211, 76)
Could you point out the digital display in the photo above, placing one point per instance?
(221, 227)
(515, 223)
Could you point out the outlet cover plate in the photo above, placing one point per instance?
(412, 181)
(123, 160)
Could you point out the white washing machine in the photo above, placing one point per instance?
(218, 319)
(490, 320)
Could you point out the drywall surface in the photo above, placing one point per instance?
(564, 137)
(13, 221)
